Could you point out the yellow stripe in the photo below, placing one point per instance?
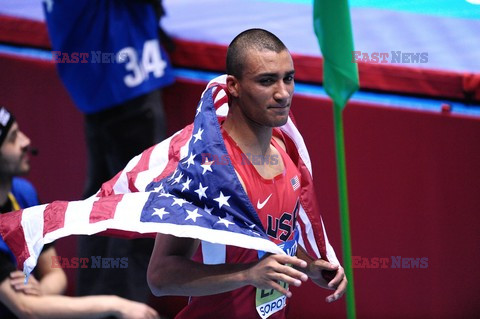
(12, 198)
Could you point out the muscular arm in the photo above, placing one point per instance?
(53, 281)
(172, 272)
(51, 307)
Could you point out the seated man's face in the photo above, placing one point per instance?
(14, 159)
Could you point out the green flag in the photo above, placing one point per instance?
(331, 21)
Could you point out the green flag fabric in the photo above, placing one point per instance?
(332, 25)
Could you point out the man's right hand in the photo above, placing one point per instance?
(268, 271)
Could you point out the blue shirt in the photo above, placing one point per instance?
(107, 51)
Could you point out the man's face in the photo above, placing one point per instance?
(14, 159)
(266, 88)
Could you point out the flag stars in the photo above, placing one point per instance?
(207, 166)
(159, 188)
(190, 161)
(178, 201)
(201, 191)
(186, 185)
(208, 210)
(173, 175)
(192, 214)
(251, 229)
(225, 221)
(160, 212)
(165, 195)
(198, 135)
(199, 108)
(222, 200)
(178, 179)
(252, 226)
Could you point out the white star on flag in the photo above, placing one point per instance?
(198, 135)
(252, 226)
(222, 200)
(186, 185)
(193, 214)
(159, 188)
(160, 212)
(225, 221)
(190, 161)
(207, 166)
(201, 191)
(178, 201)
(165, 195)
(208, 210)
(178, 179)
(199, 108)
(173, 175)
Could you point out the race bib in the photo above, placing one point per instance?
(270, 301)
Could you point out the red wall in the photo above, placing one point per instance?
(413, 180)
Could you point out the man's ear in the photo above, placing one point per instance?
(232, 85)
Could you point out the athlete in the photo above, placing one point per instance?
(260, 84)
(40, 298)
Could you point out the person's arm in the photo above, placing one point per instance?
(52, 281)
(314, 271)
(51, 307)
(172, 272)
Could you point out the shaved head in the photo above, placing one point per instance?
(252, 39)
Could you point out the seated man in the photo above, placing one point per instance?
(40, 298)
(260, 85)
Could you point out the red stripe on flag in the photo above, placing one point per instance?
(220, 102)
(307, 199)
(310, 205)
(176, 144)
(104, 208)
(306, 242)
(224, 99)
(12, 230)
(141, 166)
(54, 216)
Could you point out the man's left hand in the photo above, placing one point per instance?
(338, 283)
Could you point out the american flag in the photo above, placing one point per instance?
(176, 188)
(295, 183)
